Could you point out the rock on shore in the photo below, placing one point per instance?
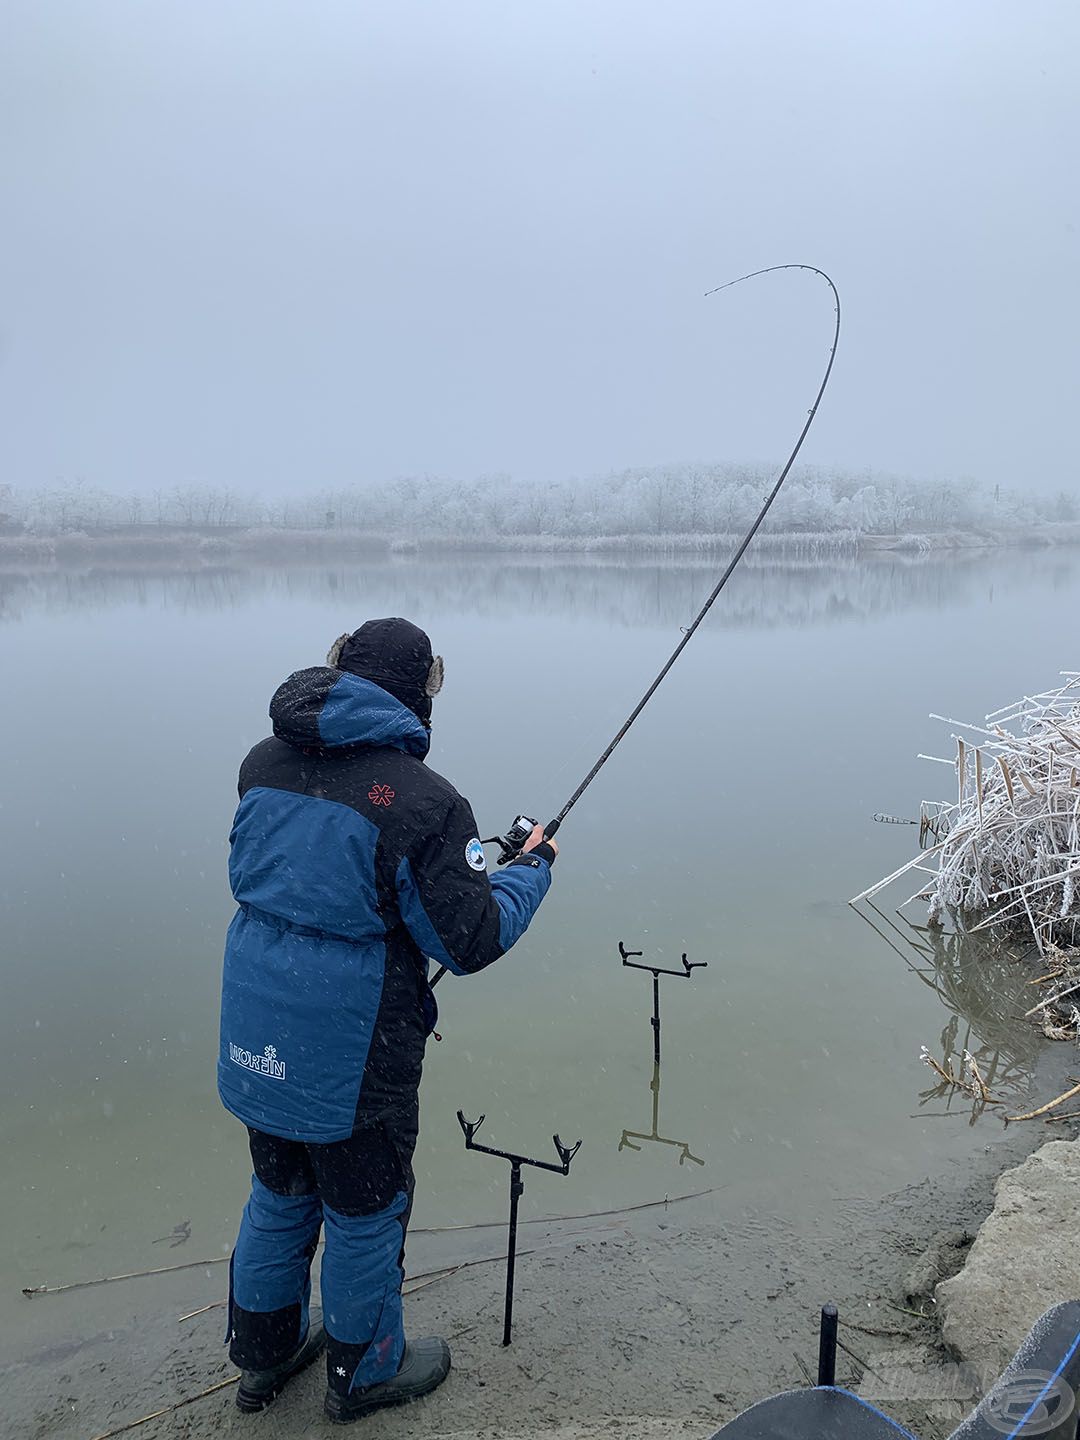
(1025, 1258)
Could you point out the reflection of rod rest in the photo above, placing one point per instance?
(565, 1153)
(629, 1136)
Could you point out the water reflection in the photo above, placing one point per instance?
(620, 591)
(984, 986)
(653, 1136)
(142, 692)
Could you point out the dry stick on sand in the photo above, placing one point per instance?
(1050, 1105)
(413, 1283)
(157, 1414)
(32, 1290)
(428, 1277)
(558, 1219)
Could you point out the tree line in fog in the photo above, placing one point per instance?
(683, 499)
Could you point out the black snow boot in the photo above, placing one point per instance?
(424, 1366)
(259, 1387)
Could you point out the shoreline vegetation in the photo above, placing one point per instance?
(1005, 857)
(682, 510)
(209, 546)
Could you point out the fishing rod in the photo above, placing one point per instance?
(688, 634)
(515, 838)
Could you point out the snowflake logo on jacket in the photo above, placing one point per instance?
(380, 795)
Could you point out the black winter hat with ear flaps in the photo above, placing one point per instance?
(395, 655)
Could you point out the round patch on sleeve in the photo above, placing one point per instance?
(474, 855)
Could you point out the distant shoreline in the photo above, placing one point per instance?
(216, 545)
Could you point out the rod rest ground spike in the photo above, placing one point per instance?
(565, 1153)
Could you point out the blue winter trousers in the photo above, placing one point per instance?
(359, 1193)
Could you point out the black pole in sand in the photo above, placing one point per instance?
(566, 1153)
(826, 1363)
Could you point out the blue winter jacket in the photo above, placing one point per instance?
(353, 865)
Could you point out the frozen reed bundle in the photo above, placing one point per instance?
(1005, 856)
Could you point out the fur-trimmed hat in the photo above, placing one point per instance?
(395, 655)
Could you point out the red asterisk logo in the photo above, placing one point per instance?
(380, 795)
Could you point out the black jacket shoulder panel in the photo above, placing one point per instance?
(394, 790)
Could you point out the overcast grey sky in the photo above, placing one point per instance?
(289, 245)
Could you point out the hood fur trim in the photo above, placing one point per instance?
(334, 653)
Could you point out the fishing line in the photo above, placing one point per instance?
(519, 832)
(553, 825)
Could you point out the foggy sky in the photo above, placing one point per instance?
(286, 246)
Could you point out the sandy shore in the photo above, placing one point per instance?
(657, 1320)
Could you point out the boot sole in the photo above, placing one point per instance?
(252, 1401)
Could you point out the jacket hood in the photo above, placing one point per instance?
(327, 709)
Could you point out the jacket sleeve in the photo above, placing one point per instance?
(458, 915)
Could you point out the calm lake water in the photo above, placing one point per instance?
(733, 824)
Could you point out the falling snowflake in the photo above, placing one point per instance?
(270, 1052)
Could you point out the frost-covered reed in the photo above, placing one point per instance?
(1004, 856)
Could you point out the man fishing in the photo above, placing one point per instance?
(352, 865)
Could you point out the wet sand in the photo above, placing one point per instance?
(654, 1316)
